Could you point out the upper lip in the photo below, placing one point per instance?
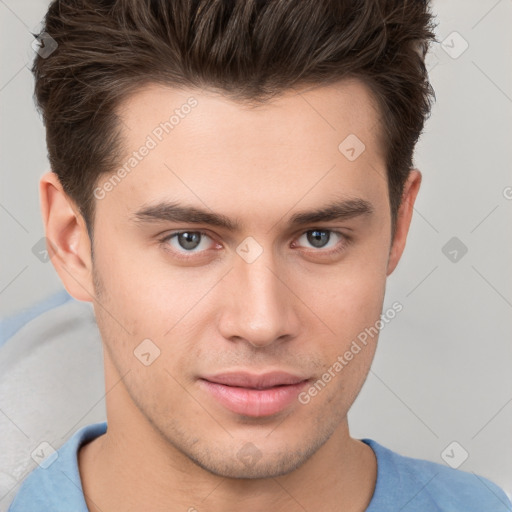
(261, 381)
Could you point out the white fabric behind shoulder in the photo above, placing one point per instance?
(51, 384)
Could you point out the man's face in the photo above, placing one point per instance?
(270, 296)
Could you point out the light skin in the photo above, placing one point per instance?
(170, 445)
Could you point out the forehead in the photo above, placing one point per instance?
(203, 147)
(344, 107)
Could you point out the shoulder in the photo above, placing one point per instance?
(55, 482)
(409, 484)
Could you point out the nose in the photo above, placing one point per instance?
(260, 307)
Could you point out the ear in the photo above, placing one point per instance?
(67, 240)
(404, 216)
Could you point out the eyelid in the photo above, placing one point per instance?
(345, 240)
(342, 236)
(169, 235)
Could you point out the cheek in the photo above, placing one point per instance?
(144, 293)
(347, 297)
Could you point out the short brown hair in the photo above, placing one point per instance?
(249, 50)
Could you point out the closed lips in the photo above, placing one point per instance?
(252, 381)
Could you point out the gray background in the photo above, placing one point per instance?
(442, 372)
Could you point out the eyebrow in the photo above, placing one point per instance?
(175, 212)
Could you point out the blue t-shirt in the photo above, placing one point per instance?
(403, 483)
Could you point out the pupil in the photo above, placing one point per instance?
(189, 240)
(318, 238)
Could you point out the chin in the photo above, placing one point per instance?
(251, 462)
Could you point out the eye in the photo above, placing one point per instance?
(322, 239)
(186, 242)
(190, 244)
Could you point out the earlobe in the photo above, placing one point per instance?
(67, 239)
(404, 217)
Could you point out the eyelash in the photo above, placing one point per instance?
(341, 246)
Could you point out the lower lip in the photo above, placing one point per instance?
(254, 402)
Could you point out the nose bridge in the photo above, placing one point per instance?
(261, 307)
